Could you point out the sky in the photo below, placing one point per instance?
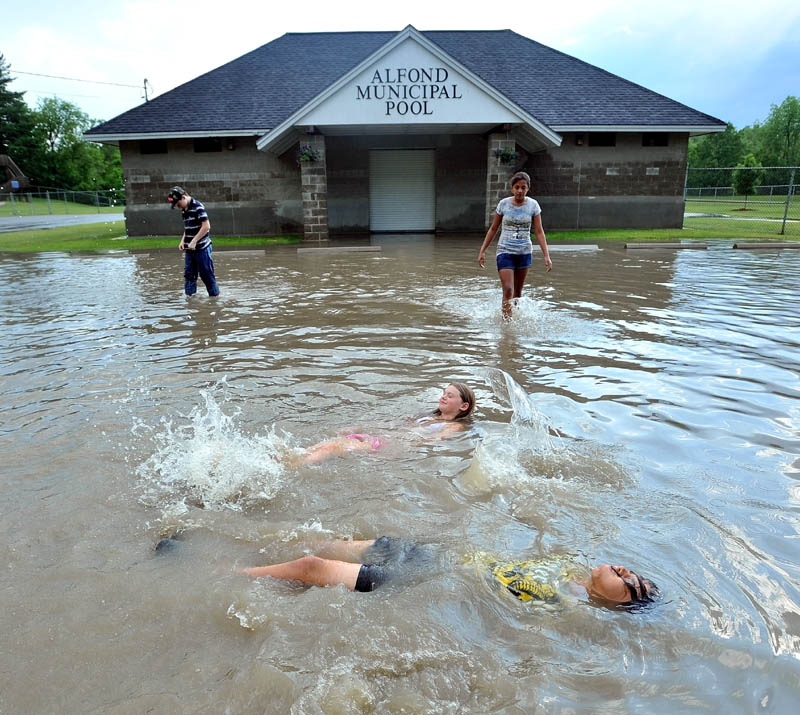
(732, 59)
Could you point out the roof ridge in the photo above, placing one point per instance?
(260, 88)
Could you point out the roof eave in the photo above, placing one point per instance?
(693, 129)
(115, 138)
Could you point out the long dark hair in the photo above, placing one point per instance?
(467, 395)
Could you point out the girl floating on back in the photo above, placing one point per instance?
(455, 405)
(518, 215)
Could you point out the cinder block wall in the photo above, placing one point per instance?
(624, 186)
(246, 191)
(249, 192)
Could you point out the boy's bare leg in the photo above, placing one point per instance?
(311, 570)
(343, 550)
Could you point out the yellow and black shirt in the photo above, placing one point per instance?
(540, 582)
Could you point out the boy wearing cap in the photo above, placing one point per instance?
(195, 242)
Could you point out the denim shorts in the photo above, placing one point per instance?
(514, 261)
(389, 559)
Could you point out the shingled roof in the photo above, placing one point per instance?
(256, 92)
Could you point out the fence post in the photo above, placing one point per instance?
(13, 204)
(788, 201)
(685, 184)
(30, 201)
(49, 205)
(97, 200)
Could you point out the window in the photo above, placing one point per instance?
(655, 139)
(207, 144)
(153, 146)
(602, 139)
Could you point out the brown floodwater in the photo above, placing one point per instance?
(641, 408)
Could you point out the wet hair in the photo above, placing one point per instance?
(520, 176)
(467, 395)
(643, 593)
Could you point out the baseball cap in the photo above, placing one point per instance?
(176, 193)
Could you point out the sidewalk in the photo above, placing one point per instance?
(28, 223)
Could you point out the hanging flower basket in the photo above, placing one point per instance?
(506, 155)
(306, 153)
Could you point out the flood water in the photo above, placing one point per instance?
(641, 408)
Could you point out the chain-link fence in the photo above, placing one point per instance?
(757, 201)
(42, 201)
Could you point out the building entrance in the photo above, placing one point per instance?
(402, 190)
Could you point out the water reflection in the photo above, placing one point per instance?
(639, 405)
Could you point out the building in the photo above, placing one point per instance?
(357, 132)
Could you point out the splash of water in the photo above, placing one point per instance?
(503, 457)
(205, 460)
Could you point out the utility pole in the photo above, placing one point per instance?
(144, 88)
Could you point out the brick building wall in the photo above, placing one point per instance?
(623, 186)
(249, 192)
(246, 191)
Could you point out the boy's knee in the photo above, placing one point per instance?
(310, 566)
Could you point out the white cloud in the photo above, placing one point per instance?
(682, 44)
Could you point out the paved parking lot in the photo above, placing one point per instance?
(28, 223)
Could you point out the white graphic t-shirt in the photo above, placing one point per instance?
(515, 236)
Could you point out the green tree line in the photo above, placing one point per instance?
(772, 143)
(46, 142)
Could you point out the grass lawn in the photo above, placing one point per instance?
(39, 207)
(693, 230)
(761, 207)
(111, 236)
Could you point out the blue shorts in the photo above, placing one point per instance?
(514, 261)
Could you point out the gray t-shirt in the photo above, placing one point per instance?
(515, 235)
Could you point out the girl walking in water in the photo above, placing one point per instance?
(518, 214)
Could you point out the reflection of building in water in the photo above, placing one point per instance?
(409, 131)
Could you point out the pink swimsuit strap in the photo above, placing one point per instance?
(375, 442)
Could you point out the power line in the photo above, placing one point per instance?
(53, 93)
(75, 79)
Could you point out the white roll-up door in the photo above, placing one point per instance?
(402, 190)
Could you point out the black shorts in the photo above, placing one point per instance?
(389, 558)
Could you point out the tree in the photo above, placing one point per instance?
(718, 149)
(722, 149)
(65, 160)
(16, 122)
(60, 123)
(47, 142)
(780, 138)
(747, 176)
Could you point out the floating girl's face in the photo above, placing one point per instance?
(451, 403)
(520, 190)
(616, 584)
